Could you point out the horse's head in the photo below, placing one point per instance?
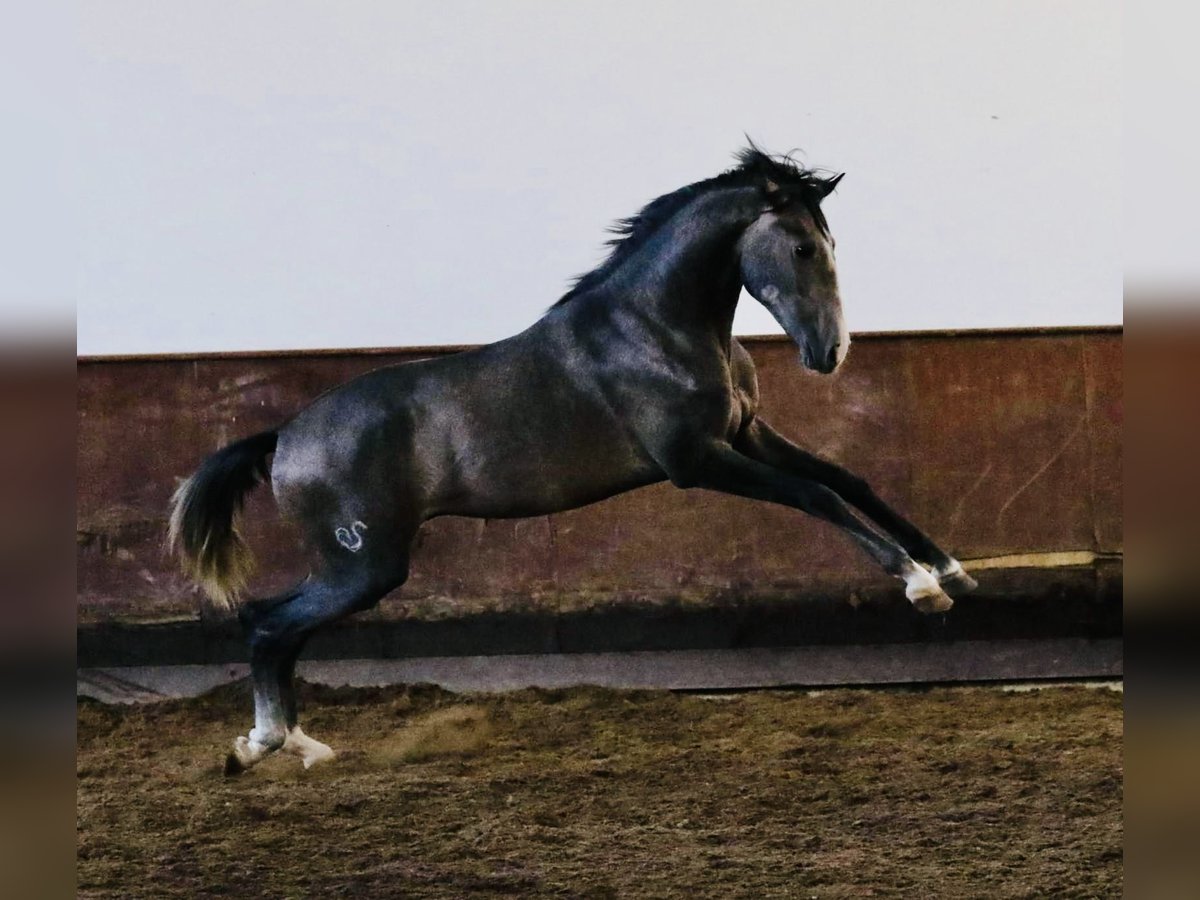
(787, 266)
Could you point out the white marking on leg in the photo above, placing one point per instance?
(949, 571)
(249, 752)
(918, 583)
(310, 751)
(923, 590)
(269, 728)
(265, 737)
(953, 578)
(349, 537)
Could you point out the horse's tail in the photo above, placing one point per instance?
(202, 528)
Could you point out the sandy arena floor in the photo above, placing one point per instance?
(948, 792)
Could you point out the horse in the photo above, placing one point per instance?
(633, 377)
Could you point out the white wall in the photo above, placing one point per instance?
(288, 175)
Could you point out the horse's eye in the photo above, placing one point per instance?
(804, 251)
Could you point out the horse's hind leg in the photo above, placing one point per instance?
(277, 630)
(274, 688)
(297, 742)
(263, 739)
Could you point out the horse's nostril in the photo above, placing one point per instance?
(831, 359)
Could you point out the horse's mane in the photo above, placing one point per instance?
(755, 167)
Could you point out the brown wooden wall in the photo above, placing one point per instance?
(997, 443)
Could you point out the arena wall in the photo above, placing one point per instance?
(1005, 446)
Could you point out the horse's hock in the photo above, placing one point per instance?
(1006, 444)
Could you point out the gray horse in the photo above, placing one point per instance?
(632, 378)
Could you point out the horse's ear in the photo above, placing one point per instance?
(828, 185)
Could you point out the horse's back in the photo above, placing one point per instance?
(519, 432)
(501, 431)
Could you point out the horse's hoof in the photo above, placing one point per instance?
(233, 766)
(933, 602)
(923, 591)
(958, 583)
(245, 754)
(954, 579)
(318, 757)
(311, 752)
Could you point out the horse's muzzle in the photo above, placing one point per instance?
(823, 362)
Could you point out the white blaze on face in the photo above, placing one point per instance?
(843, 338)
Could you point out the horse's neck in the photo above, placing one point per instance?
(687, 275)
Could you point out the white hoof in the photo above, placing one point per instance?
(246, 753)
(311, 752)
(924, 592)
(933, 603)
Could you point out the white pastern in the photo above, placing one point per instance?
(249, 752)
(954, 569)
(919, 583)
(923, 590)
(311, 752)
(954, 579)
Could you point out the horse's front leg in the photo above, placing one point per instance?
(718, 466)
(761, 442)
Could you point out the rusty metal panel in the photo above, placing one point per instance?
(858, 418)
(1000, 433)
(996, 443)
(1104, 365)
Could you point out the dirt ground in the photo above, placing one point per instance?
(948, 792)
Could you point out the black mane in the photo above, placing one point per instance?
(807, 186)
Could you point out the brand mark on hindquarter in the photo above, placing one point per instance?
(349, 537)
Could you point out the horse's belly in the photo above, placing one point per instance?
(536, 479)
